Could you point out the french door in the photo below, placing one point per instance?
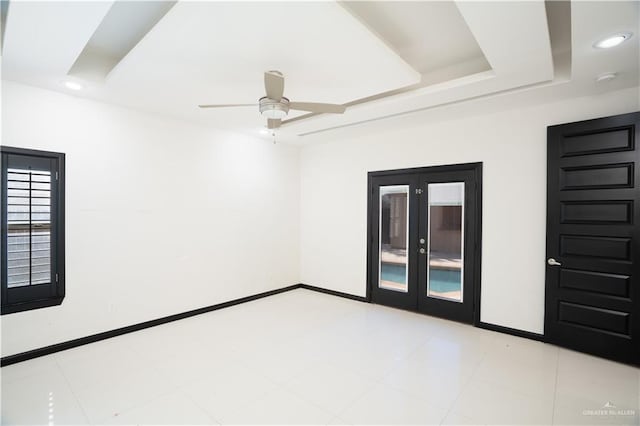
(424, 232)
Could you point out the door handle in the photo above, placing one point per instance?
(551, 261)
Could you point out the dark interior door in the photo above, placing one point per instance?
(423, 240)
(593, 211)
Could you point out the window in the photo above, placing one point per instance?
(32, 240)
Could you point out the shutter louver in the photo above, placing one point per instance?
(28, 227)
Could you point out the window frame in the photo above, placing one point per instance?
(56, 288)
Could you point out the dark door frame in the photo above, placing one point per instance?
(476, 168)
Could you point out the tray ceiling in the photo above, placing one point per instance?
(381, 59)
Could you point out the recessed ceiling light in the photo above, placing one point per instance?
(73, 85)
(613, 40)
(607, 76)
(264, 131)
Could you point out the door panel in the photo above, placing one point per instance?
(595, 212)
(592, 143)
(445, 240)
(596, 282)
(592, 296)
(596, 319)
(599, 247)
(448, 223)
(603, 176)
(394, 238)
(423, 227)
(391, 269)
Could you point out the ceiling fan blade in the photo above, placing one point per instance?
(317, 107)
(273, 123)
(274, 84)
(227, 105)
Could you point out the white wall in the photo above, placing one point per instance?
(161, 216)
(505, 134)
(165, 216)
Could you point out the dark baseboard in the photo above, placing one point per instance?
(333, 292)
(483, 325)
(47, 350)
(512, 331)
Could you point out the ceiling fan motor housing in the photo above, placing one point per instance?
(271, 108)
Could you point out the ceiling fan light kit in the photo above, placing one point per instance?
(270, 108)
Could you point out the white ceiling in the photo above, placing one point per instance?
(429, 35)
(380, 59)
(215, 53)
(43, 39)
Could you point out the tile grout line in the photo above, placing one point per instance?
(129, 409)
(352, 401)
(182, 388)
(555, 390)
(172, 388)
(357, 399)
(142, 403)
(464, 387)
(309, 401)
(205, 411)
(66, 379)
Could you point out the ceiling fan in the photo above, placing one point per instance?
(275, 107)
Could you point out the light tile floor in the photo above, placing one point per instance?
(303, 357)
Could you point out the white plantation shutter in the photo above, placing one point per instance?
(28, 227)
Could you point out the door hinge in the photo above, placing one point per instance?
(418, 191)
(56, 278)
(56, 175)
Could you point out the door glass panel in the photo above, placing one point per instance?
(394, 222)
(445, 240)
